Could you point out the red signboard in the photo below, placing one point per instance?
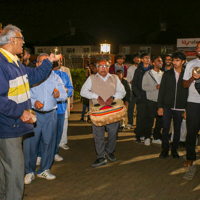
(190, 54)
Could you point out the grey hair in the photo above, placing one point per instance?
(8, 32)
(103, 60)
(42, 54)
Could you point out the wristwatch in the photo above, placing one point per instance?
(113, 97)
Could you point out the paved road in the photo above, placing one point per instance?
(137, 174)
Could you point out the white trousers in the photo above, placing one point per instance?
(65, 128)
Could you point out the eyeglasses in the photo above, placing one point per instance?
(20, 38)
(168, 59)
(101, 66)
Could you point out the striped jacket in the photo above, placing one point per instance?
(15, 94)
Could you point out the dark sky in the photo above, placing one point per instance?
(107, 20)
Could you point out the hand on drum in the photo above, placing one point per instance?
(101, 101)
(109, 101)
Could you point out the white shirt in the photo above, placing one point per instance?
(130, 74)
(193, 94)
(86, 88)
(157, 75)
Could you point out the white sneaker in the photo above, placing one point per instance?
(38, 161)
(128, 126)
(47, 175)
(142, 138)
(58, 158)
(63, 146)
(147, 142)
(28, 178)
(158, 141)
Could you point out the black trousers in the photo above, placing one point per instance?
(131, 107)
(141, 123)
(193, 124)
(151, 115)
(166, 121)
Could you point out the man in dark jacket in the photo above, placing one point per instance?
(26, 58)
(126, 99)
(141, 99)
(168, 63)
(172, 101)
(15, 119)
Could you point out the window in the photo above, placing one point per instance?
(70, 50)
(40, 51)
(145, 50)
(166, 50)
(126, 50)
(86, 50)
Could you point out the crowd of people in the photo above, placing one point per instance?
(164, 95)
(36, 100)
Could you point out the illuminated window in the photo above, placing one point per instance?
(126, 50)
(166, 50)
(86, 50)
(70, 50)
(145, 50)
(40, 51)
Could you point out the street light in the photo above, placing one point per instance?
(105, 48)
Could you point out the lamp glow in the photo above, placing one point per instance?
(105, 48)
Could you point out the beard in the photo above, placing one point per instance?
(198, 55)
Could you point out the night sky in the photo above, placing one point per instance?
(114, 21)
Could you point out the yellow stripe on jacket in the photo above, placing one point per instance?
(19, 89)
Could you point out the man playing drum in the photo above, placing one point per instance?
(103, 88)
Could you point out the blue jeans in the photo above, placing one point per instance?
(60, 124)
(84, 109)
(46, 130)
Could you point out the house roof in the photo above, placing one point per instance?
(156, 36)
(68, 39)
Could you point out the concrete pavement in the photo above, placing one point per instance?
(137, 174)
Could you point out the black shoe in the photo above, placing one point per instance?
(137, 140)
(99, 162)
(81, 120)
(110, 156)
(121, 129)
(174, 154)
(164, 154)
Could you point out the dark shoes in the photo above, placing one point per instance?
(81, 120)
(99, 162)
(110, 156)
(137, 140)
(121, 129)
(174, 154)
(164, 154)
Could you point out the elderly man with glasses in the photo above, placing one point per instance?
(15, 119)
(103, 88)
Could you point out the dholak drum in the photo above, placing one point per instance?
(103, 115)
